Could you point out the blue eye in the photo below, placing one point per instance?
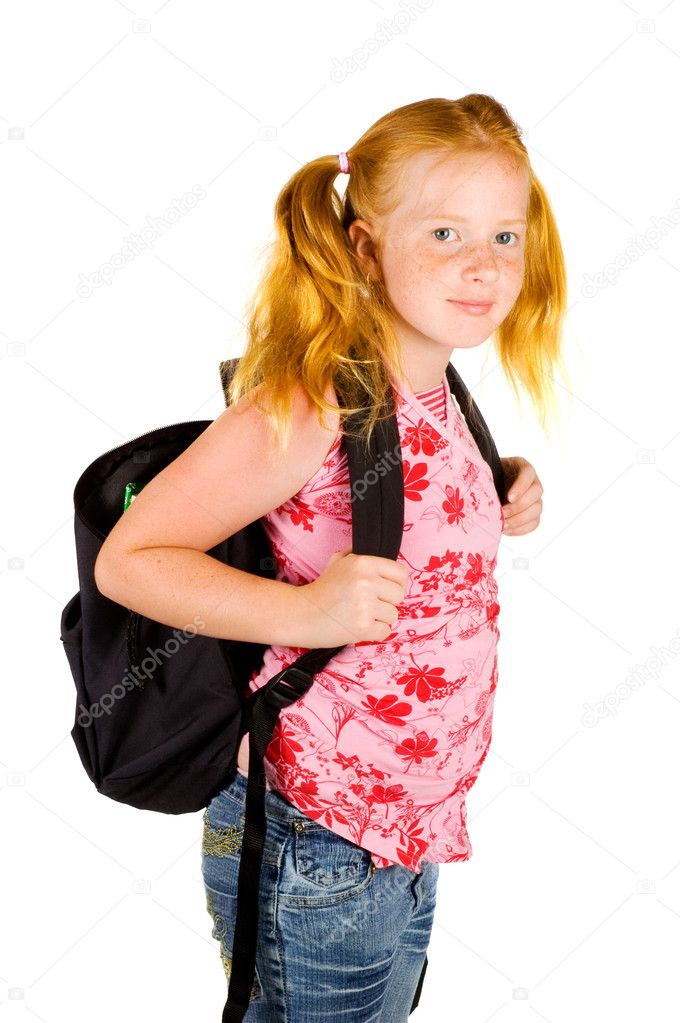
(507, 233)
(442, 229)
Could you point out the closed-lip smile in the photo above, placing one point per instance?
(472, 308)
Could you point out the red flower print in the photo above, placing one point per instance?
(423, 683)
(301, 514)
(335, 505)
(299, 722)
(475, 571)
(415, 750)
(492, 610)
(389, 793)
(304, 798)
(413, 480)
(480, 706)
(421, 438)
(346, 762)
(282, 745)
(420, 609)
(470, 474)
(388, 709)
(453, 505)
(330, 814)
(450, 558)
(461, 736)
(415, 847)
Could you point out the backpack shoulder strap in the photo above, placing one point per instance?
(478, 428)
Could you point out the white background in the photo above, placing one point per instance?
(570, 906)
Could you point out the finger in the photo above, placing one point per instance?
(525, 500)
(521, 530)
(522, 482)
(522, 512)
(523, 522)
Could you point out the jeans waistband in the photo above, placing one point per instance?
(276, 805)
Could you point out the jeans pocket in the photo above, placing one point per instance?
(324, 868)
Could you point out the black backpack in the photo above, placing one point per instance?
(162, 732)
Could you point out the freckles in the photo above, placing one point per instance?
(512, 270)
(511, 280)
(512, 265)
(430, 266)
(410, 265)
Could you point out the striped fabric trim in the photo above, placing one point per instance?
(435, 400)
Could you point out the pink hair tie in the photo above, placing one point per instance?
(344, 163)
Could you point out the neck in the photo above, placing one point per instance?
(425, 363)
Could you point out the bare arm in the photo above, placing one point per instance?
(154, 559)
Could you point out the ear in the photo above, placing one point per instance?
(362, 238)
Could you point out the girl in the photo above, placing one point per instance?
(443, 237)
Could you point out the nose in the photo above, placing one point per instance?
(481, 263)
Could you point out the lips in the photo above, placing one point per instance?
(474, 308)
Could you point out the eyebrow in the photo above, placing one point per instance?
(464, 220)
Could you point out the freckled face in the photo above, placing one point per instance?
(458, 234)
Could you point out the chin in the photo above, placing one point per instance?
(470, 343)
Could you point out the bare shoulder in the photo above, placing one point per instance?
(303, 409)
(232, 474)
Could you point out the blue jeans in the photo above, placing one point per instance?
(338, 940)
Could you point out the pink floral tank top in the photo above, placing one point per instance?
(390, 738)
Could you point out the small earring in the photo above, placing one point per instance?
(366, 289)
